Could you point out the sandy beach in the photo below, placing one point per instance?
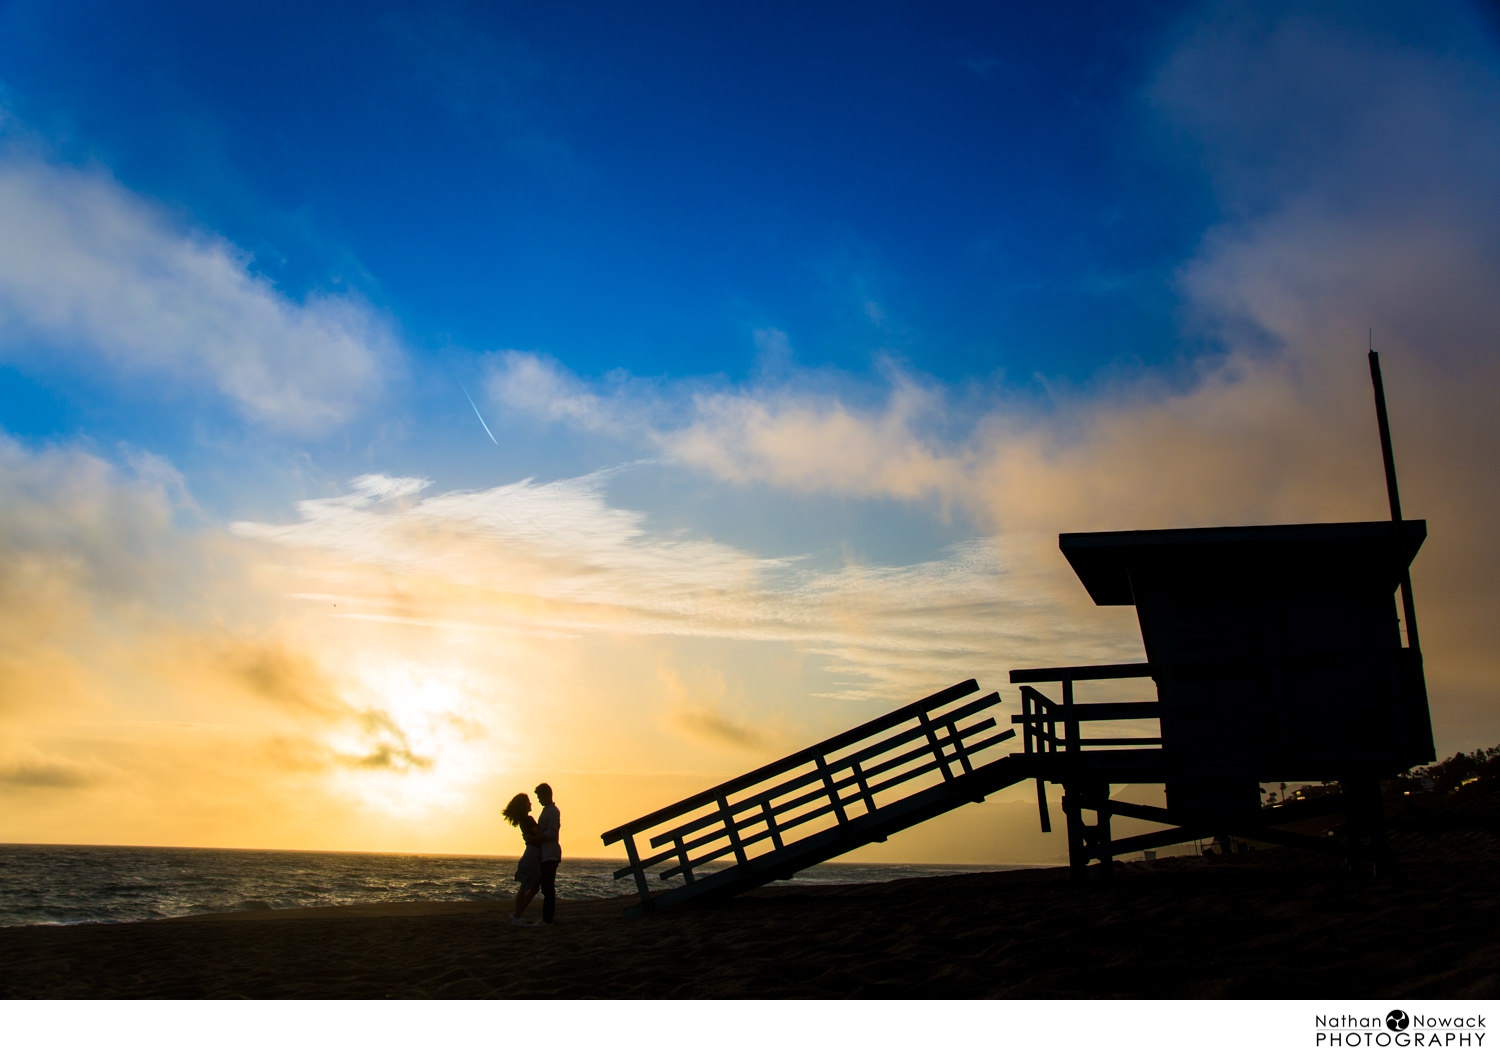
(1276, 925)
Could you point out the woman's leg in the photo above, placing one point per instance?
(524, 896)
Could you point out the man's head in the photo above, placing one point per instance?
(544, 793)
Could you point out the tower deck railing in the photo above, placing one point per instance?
(1041, 717)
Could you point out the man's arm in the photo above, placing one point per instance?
(550, 824)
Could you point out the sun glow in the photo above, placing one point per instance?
(421, 741)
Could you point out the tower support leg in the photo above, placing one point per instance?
(1101, 831)
(1088, 842)
(1364, 825)
(1078, 853)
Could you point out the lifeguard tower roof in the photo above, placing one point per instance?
(1276, 649)
(1370, 552)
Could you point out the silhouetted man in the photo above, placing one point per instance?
(550, 823)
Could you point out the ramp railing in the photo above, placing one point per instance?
(759, 818)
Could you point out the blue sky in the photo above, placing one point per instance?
(644, 189)
(801, 331)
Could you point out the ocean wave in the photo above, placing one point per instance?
(75, 885)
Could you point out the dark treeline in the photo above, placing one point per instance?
(1480, 765)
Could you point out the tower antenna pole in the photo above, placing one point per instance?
(1408, 606)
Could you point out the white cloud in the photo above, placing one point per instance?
(818, 443)
(94, 273)
(527, 382)
(773, 351)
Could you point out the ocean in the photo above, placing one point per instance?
(54, 884)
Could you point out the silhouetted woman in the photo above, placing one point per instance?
(529, 869)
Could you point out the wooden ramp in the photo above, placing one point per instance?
(881, 777)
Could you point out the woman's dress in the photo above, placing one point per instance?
(529, 868)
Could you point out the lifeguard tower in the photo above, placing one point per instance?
(1277, 655)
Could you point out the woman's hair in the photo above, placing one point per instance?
(517, 809)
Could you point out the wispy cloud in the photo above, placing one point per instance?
(709, 724)
(139, 659)
(797, 431)
(44, 774)
(277, 673)
(697, 708)
(93, 273)
(559, 557)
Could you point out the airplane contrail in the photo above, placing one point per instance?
(479, 416)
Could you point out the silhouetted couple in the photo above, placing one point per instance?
(537, 869)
